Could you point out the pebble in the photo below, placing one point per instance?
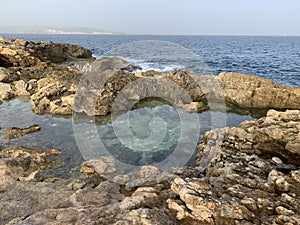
(277, 160)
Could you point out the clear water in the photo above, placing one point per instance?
(57, 132)
(275, 58)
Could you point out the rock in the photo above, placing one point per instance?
(6, 91)
(147, 175)
(103, 168)
(46, 100)
(251, 91)
(15, 132)
(194, 107)
(277, 160)
(123, 90)
(21, 199)
(283, 211)
(131, 68)
(18, 163)
(6, 76)
(58, 53)
(25, 89)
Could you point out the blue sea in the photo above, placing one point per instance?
(274, 58)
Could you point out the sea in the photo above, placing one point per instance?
(273, 57)
(159, 134)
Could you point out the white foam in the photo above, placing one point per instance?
(146, 66)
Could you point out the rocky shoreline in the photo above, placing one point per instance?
(39, 70)
(248, 174)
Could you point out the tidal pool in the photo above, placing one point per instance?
(143, 136)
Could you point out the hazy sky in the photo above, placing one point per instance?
(266, 17)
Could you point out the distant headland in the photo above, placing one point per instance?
(53, 30)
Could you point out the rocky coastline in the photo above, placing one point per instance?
(252, 175)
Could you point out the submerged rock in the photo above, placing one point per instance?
(248, 174)
(15, 132)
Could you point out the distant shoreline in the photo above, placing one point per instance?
(128, 34)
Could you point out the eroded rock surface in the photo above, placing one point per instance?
(112, 84)
(253, 177)
(251, 91)
(15, 132)
(24, 63)
(19, 163)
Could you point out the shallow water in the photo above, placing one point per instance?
(58, 132)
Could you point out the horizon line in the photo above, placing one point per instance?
(151, 34)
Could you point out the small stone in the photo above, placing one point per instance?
(53, 152)
(282, 184)
(284, 211)
(277, 160)
(273, 175)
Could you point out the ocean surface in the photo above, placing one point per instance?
(275, 58)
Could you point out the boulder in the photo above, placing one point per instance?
(255, 92)
(58, 53)
(6, 91)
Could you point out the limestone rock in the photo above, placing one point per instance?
(58, 53)
(15, 132)
(6, 91)
(251, 91)
(103, 168)
(21, 199)
(23, 88)
(18, 163)
(146, 175)
(6, 76)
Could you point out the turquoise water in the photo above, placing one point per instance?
(58, 132)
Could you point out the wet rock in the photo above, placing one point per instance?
(18, 163)
(131, 68)
(15, 132)
(194, 107)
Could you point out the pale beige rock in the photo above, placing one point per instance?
(103, 168)
(6, 91)
(8, 51)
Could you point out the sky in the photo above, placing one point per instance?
(194, 17)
